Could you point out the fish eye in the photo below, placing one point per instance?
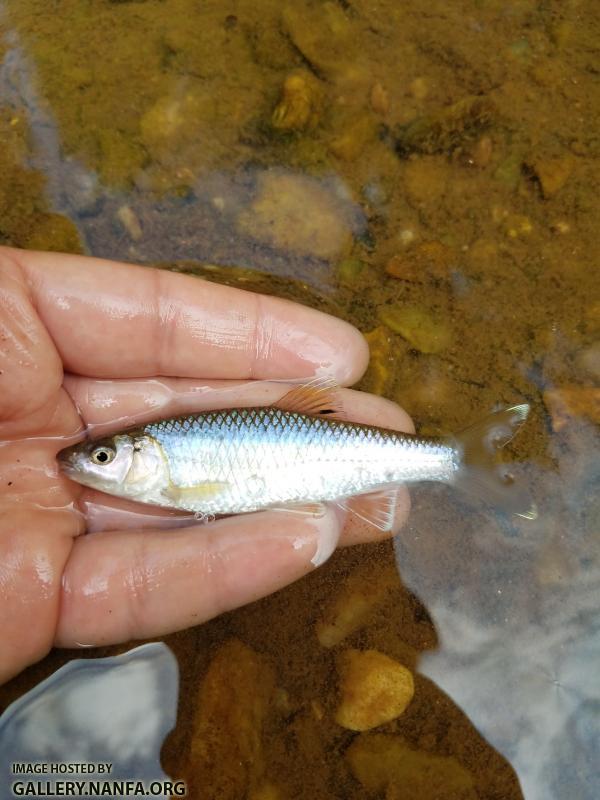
(103, 455)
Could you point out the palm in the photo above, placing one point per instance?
(81, 345)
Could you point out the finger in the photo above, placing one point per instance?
(109, 319)
(56, 419)
(107, 405)
(123, 585)
(30, 369)
(105, 513)
(131, 402)
(37, 525)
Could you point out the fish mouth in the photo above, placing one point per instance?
(68, 469)
(68, 461)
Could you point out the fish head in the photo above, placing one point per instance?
(126, 465)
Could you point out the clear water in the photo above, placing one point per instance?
(443, 160)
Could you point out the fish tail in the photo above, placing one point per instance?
(480, 475)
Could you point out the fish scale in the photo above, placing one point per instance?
(267, 457)
(297, 453)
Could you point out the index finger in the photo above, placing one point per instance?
(112, 320)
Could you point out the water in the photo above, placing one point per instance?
(364, 158)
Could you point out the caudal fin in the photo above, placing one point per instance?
(480, 475)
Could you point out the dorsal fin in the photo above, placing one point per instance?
(319, 397)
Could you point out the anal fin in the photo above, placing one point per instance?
(311, 509)
(376, 508)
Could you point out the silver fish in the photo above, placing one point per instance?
(296, 455)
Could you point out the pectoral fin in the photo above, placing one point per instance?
(312, 509)
(376, 508)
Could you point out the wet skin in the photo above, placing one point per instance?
(97, 344)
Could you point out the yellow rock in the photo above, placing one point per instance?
(388, 764)
(374, 689)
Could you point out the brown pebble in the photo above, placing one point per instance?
(482, 152)
(552, 173)
(380, 101)
(572, 401)
(128, 219)
(428, 260)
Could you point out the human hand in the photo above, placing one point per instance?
(103, 345)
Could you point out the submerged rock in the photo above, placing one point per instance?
(128, 219)
(374, 689)
(379, 374)
(300, 102)
(362, 593)
(349, 270)
(388, 764)
(552, 173)
(300, 214)
(226, 754)
(323, 33)
(444, 130)
(379, 99)
(54, 232)
(354, 137)
(571, 402)
(588, 360)
(418, 326)
(427, 260)
(176, 121)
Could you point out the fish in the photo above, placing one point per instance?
(298, 454)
